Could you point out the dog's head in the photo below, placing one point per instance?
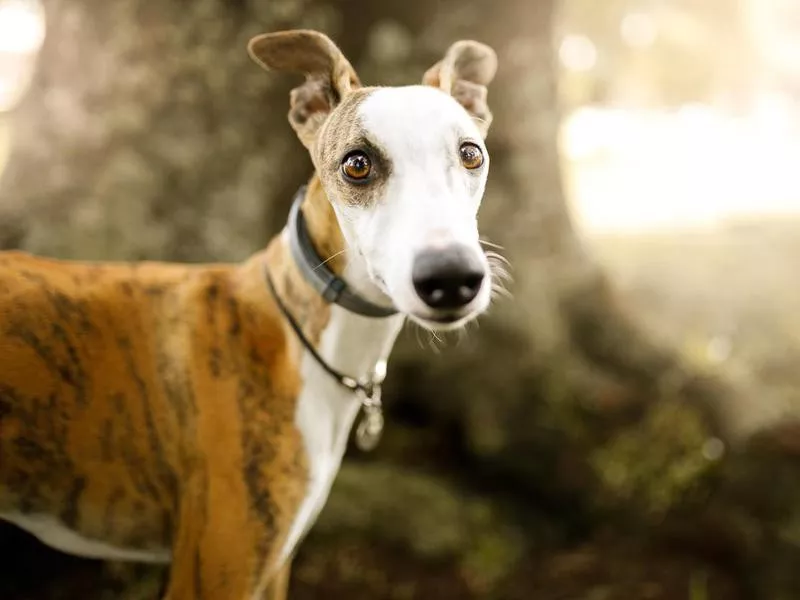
(404, 167)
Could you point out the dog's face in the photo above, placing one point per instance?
(405, 169)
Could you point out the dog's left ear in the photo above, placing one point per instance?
(329, 75)
(466, 70)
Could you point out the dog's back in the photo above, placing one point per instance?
(96, 382)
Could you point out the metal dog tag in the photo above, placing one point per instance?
(369, 430)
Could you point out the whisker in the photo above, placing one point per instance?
(434, 341)
(490, 244)
(501, 277)
(499, 268)
(500, 292)
(497, 257)
(330, 258)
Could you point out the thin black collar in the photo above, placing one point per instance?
(362, 387)
(368, 389)
(316, 271)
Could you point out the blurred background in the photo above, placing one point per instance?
(626, 427)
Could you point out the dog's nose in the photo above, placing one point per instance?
(447, 278)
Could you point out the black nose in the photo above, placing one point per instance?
(447, 278)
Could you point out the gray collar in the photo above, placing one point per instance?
(314, 269)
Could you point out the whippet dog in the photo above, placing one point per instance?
(198, 414)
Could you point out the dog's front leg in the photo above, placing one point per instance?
(220, 552)
(278, 587)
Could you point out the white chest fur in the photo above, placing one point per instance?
(326, 411)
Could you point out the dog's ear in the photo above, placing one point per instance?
(329, 75)
(466, 70)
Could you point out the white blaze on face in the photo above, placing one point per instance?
(431, 200)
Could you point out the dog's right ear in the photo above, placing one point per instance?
(329, 75)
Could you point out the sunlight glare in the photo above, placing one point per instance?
(22, 26)
(694, 167)
(638, 30)
(578, 53)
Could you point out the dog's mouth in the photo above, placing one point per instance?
(444, 321)
(450, 318)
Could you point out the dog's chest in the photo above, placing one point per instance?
(325, 415)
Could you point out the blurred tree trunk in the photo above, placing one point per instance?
(564, 351)
(149, 134)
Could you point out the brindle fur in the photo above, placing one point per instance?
(152, 406)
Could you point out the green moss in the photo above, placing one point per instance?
(654, 464)
(698, 586)
(489, 559)
(433, 520)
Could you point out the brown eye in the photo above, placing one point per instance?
(356, 166)
(471, 155)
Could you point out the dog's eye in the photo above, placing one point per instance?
(471, 155)
(356, 166)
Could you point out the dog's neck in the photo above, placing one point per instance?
(349, 342)
(327, 239)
